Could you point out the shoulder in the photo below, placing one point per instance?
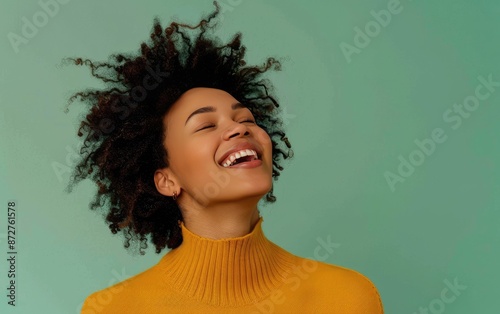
(344, 288)
(123, 296)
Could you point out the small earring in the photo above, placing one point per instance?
(174, 196)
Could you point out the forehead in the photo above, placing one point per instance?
(196, 98)
(203, 96)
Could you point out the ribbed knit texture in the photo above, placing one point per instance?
(247, 274)
(228, 272)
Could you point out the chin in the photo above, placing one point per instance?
(260, 188)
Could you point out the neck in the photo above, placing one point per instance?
(227, 272)
(227, 220)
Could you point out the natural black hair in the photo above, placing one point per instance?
(123, 129)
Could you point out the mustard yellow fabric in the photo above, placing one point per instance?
(248, 274)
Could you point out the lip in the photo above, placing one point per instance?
(247, 164)
(238, 147)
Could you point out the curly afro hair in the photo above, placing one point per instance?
(123, 128)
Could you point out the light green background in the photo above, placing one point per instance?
(347, 121)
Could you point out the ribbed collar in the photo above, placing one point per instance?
(227, 272)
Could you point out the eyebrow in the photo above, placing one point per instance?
(212, 109)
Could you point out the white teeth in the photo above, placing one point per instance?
(242, 153)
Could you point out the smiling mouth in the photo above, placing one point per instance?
(241, 157)
(254, 162)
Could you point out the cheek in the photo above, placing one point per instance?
(179, 157)
(264, 139)
(199, 155)
(192, 157)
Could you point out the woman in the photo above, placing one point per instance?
(183, 145)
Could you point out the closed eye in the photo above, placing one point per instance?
(206, 127)
(212, 125)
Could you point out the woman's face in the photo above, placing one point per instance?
(198, 142)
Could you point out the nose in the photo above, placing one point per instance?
(234, 130)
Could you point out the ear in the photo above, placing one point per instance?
(166, 182)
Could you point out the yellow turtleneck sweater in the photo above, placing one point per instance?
(248, 274)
